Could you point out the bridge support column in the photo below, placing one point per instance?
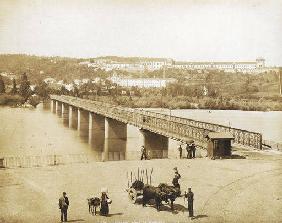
(83, 123)
(59, 108)
(73, 117)
(53, 106)
(115, 139)
(96, 131)
(65, 114)
(156, 144)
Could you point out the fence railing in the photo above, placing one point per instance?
(272, 144)
(53, 160)
(182, 129)
(42, 160)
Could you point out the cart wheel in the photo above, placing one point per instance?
(132, 195)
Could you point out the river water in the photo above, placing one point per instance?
(38, 131)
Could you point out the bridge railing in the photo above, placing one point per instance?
(179, 128)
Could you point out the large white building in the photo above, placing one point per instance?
(227, 66)
(142, 82)
(162, 63)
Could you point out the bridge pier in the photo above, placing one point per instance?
(96, 136)
(65, 114)
(83, 123)
(115, 140)
(155, 144)
(73, 117)
(53, 106)
(59, 108)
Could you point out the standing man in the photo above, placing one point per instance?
(193, 148)
(180, 151)
(190, 198)
(188, 149)
(143, 153)
(63, 205)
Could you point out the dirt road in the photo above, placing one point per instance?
(241, 190)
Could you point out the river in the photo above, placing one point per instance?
(38, 131)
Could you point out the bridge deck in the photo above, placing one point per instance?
(181, 129)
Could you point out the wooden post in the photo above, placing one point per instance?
(280, 81)
(127, 179)
(260, 141)
(151, 176)
(146, 176)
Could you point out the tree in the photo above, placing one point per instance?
(14, 89)
(42, 90)
(24, 89)
(34, 101)
(63, 90)
(2, 85)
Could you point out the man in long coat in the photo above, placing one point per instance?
(63, 205)
(190, 198)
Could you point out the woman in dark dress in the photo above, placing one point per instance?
(104, 210)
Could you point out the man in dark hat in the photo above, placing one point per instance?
(190, 198)
(63, 205)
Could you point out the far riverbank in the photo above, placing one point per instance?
(183, 102)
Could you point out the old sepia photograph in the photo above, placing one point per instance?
(141, 111)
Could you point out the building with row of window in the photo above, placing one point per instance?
(142, 82)
(163, 63)
(227, 66)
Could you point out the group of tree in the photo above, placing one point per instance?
(2, 85)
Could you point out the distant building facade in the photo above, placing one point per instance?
(252, 66)
(142, 82)
(152, 64)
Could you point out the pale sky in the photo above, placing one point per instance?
(190, 30)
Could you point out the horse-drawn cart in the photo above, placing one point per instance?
(147, 192)
(137, 183)
(135, 191)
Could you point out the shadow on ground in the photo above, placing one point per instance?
(115, 214)
(165, 206)
(200, 216)
(76, 220)
(236, 156)
(176, 208)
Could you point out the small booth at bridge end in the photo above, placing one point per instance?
(219, 144)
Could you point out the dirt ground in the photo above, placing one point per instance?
(228, 190)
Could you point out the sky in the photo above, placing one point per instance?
(185, 30)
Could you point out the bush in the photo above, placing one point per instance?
(34, 100)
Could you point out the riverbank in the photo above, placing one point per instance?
(225, 191)
(11, 100)
(183, 102)
(19, 101)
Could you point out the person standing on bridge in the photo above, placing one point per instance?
(63, 205)
(190, 198)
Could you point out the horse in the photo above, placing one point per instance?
(93, 203)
